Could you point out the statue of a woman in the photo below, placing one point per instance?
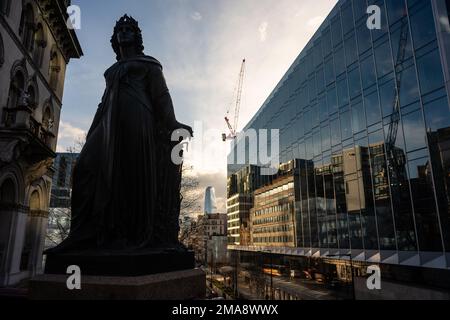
(125, 188)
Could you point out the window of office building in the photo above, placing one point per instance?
(368, 72)
(422, 23)
(363, 37)
(350, 49)
(437, 117)
(430, 72)
(396, 10)
(372, 176)
(383, 58)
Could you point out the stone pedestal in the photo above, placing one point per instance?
(121, 263)
(178, 285)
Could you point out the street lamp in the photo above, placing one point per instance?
(351, 269)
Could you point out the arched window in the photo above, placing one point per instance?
(35, 205)
(55, 68)
(32, 93)
(16, 89)
(7, 197)
(8, 192)
(39, 45)
(32, 97)
(16, 92)
(5, 6)
(27, 27)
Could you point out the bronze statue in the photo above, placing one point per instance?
(126, 190)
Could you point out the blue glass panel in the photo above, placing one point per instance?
(430, 72)
(323, 108)
(326, 42)
(329, 71)
(422, 24)
(335, 132)
(342, 90)
(396, 9)
(409, 89)
(336, 30)
(354, 83)
(332, 100)
(427, 224)
(326, 138)
(437, 114)
(372, 107)
(346, 125)
(414, 129)
(359, 9)
(347, 18)
(368, 72)
(363, 38)
(387, 97)
(339, 63)
(383, 59)
(351, 53)
(358, 117)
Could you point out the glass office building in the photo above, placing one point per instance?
(368, 113)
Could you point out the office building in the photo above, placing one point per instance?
(368, 114)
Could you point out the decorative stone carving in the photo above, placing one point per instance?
(36, 171)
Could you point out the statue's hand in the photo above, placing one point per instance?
(185, 127)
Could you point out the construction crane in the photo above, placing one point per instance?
(395, 161)
(237, 106)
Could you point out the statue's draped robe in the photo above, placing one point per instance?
(125, 163)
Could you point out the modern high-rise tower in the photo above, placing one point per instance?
(210, 201)
(367, 112)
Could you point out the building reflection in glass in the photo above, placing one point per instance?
(365, 114)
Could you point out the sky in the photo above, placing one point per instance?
(201, 44)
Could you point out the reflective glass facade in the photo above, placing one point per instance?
(368, 112)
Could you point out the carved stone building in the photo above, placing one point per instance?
(35, 47)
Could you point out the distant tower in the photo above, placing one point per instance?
(210, 201)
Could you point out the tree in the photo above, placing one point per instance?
(78, 144)
(191, 194)
(58, 226)
(59, 218)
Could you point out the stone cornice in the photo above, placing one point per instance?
(54, 14)
(38, 213)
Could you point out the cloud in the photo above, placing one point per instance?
(196, 16)
(68, 135)
(263, 31)
(66, 130)
(203, 74)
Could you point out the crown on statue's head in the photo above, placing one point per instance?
(127, 20)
